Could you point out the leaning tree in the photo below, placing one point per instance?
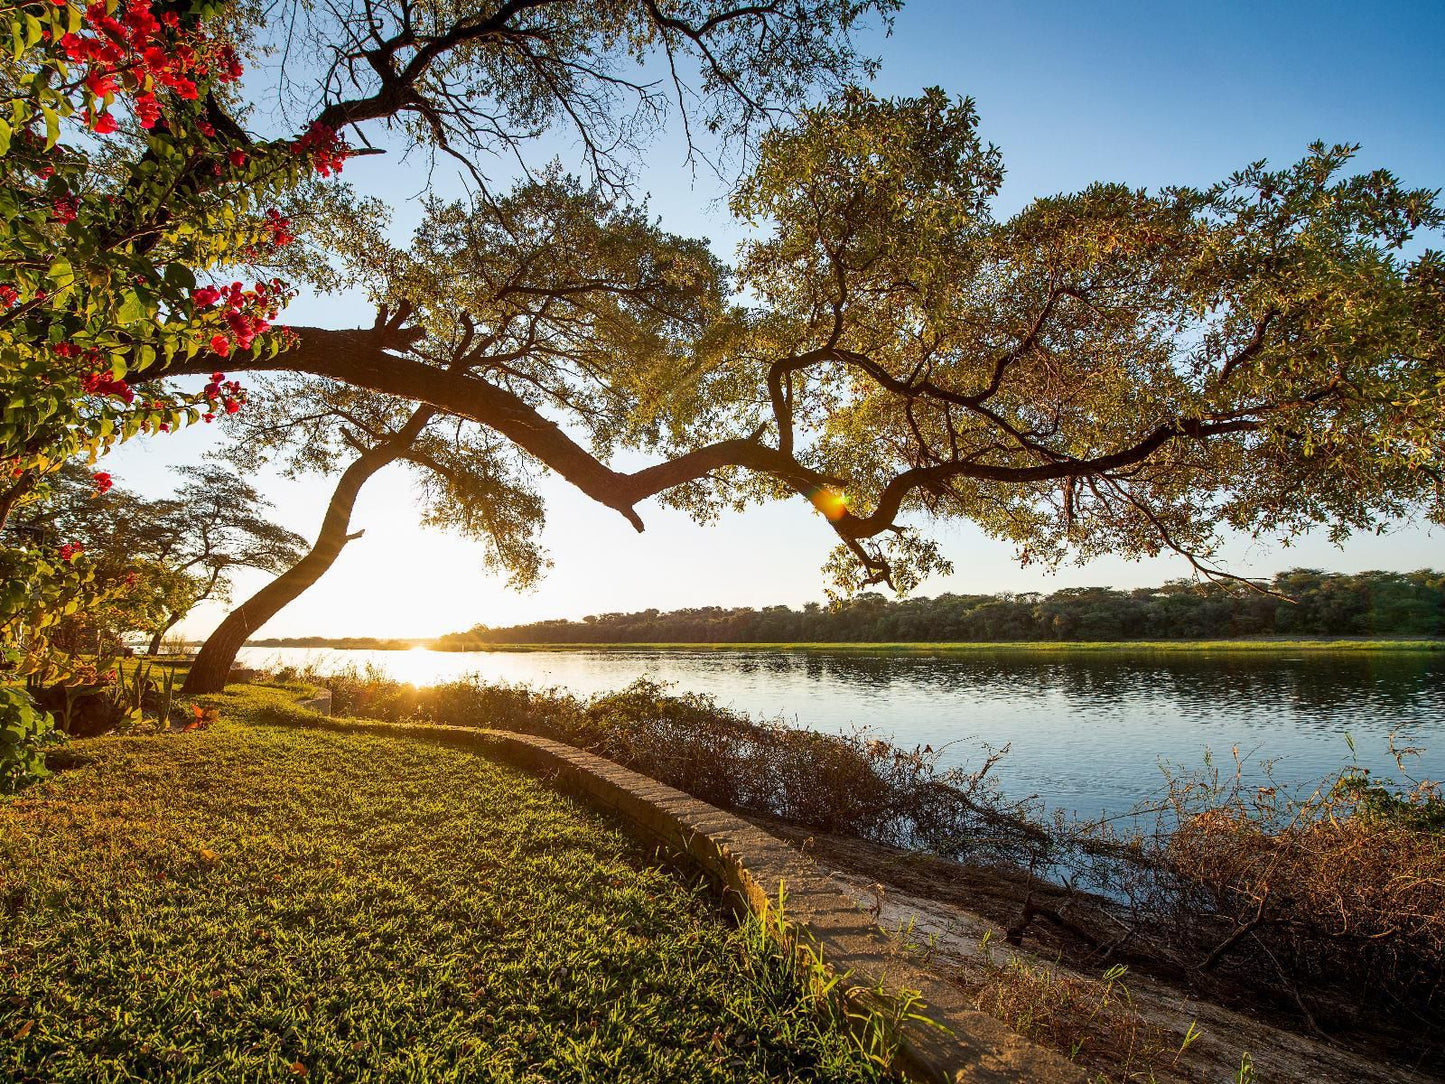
(136, 185)
(552, 270)
(1109, 371)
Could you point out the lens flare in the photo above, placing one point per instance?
(831, 503)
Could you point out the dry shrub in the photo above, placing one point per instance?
(1094, 1020)
(1343, 888)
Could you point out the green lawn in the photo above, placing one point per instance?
(266, 903)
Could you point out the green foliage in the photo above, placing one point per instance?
(25, 733)
(1417, 809)
(1110, 371)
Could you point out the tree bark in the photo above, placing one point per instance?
(213, 663)
(160, 634)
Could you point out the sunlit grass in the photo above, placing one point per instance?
(269, 903)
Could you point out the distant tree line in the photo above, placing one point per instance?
(1318, 604)
(346, 642)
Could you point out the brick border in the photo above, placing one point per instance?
(752, 866)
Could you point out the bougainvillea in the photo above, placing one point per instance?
(120, 189)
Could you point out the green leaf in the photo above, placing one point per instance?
(132, 309)
(61, 273)
(180, 276)
(4, 137)
(52, 126)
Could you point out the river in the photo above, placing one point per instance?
(1087, 731)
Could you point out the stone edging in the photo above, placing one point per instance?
(752, 867)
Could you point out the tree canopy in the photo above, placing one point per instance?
(1109, 371)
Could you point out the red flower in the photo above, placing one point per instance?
(238, 158)
(232, 406)
(208, 418)
(206, 296)
(326, 149)
(64, 209)
(147, 111)
(76, 47)
(205, 129)
(104, 383)
(8, 296)
(220, 344)
(69, 551)
(101, 125)
(102, 481)
(229, 63)
(216, 378)
(279, 229)
(101, 83)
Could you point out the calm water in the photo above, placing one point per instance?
(1087, 732)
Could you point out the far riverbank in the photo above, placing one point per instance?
(1338, 643)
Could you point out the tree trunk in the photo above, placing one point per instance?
(213, 663)
(155, 648)
(160, 634)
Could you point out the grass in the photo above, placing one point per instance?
(1350, 644)
(270, 903)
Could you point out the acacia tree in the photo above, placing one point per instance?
(550, 270)
(213, 526)
(1111, 371)
(171, 553)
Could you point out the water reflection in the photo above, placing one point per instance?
(1086, 731)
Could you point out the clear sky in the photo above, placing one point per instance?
(1142, 93)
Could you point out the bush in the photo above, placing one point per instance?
(1342, 888)
(25, 733)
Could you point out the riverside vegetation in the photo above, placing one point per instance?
(1325, 907)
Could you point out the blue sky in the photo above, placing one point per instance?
(1145, 94)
